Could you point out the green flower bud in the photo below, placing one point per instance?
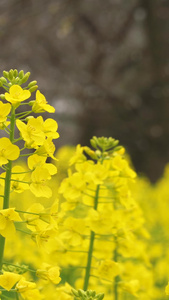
(28, 118)
(118, 148)
(75, 293)
(6, 74)
(90, 152)
(93, 143)
(32, 83)
(25, 77)
(100, 296)
(21, 74)
(17, 80)
(11, 73)
(116, 142)
(2, 96)
(98, 153)
(15, 73)
(3, 80)
(31, 102)
(33, 88)
(81, 293)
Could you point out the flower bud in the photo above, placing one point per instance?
(31, 102)
(15, 73)
(6, 74)
(100, 296)
(21, 74)
(75, 293)
(81, 293)
(93, 143)
(90, 152)
(28, 118)
(98, 153)
(32, 83)
(2, 96)
(33, 88)
(3, 80)
(25, 77)
(11, 73)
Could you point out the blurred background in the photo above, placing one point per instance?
(104, 66)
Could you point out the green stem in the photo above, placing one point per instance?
(91, 245)
(7, 185)
(21, 267)
(116, 279)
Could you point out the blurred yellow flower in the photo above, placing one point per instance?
(38, 185)
(8, 280)
(49, 273)
(7, 218)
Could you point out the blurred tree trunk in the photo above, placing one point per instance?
(157, 27)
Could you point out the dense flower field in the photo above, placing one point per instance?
(76, 223)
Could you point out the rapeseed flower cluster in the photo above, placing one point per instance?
(102, 234)
(35, 142)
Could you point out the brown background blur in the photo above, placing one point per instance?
(103, 64)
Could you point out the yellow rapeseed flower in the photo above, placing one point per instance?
(16, 95)
(7, 218)
(38, 185)
(24, 285)
(47, 149)
(50, 273)
(40, 161)
(108, 269)
(41, 105)
(4, 111)
(167, 289)
(8, 151)
(28, 290)
(32, 132)
(8, 280)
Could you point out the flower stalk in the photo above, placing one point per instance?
(91, 245)
(7, 185)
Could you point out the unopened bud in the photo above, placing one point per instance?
(25, 77)
(32, 83)
(28, 118)
(2, 96)
(31, 102)
(15, 73)
(81, 293)
(11, 73)
(75, 293)
(21, 74)
(100, 296)
(98, 153)
(93, 143)
(3, 80)
(6, 74)
(90, 152)
(33, 88)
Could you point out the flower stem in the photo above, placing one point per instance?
(7, 185)
(116, 279)
(91, 245)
